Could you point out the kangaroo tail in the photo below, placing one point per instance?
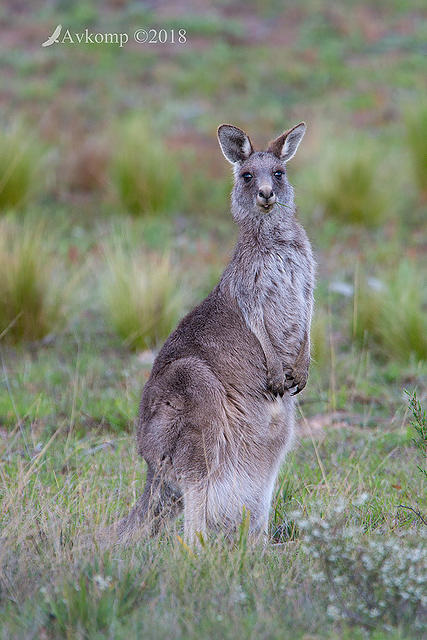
(159, 502)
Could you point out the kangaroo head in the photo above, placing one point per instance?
(260, 181)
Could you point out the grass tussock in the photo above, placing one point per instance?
(416, 126)
(32, 296)
(145, 172)
(142, 295)
(349, 188)
(19, 167)
(389, 314)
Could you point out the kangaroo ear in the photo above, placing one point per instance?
(235, 144)
(285, 146)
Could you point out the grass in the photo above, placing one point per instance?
(145, 171)
(54, 582)
(419, 426)
(19, 167)
(94, 600)
(142, 295)
(416, 125)
(320, 340)
(389, 314)
(84, 168)
(206, 195)
(32, 296)
(350, 190)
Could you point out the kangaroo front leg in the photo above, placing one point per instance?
(296, 378)
(275, 373)
(195, 520)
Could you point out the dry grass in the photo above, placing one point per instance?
(142, 296)
(56, 583)
(32, 295)
(85, 166)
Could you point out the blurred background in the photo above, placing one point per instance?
(114, 195)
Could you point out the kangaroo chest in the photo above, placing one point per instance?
(269, 289)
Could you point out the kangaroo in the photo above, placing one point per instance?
(217, 413)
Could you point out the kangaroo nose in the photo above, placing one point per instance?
(266, 193)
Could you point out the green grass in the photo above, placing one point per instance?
(94, 600)
(143, 297)
(389, 314)
(416, 124)
(32, 295)
(350, 189)
(419, 426)
(145, 171)
(20, 161)
(321, 340)
(53, 579)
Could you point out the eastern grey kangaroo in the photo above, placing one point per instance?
(217, 413)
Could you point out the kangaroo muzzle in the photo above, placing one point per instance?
(265, 197)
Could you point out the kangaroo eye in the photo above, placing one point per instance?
(278, 174)
(247, 177)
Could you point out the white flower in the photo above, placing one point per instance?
(101, 582)
(360, 500)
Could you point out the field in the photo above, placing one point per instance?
(114, 221)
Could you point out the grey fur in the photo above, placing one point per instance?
(217, 413)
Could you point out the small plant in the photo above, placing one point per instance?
(142, 297)
(419, 425)
(19, 165)
(389, 315)
(349, 190)
(369, 581)
(145, 172)
(416, 126)
(31, 297)
(283, 529)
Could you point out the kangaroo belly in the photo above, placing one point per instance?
(249, 464)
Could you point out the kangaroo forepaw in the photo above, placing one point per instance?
(295, 381)
(276, 382)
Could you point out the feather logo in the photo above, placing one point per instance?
(54, 37)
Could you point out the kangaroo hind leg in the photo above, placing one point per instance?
(195, 517)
